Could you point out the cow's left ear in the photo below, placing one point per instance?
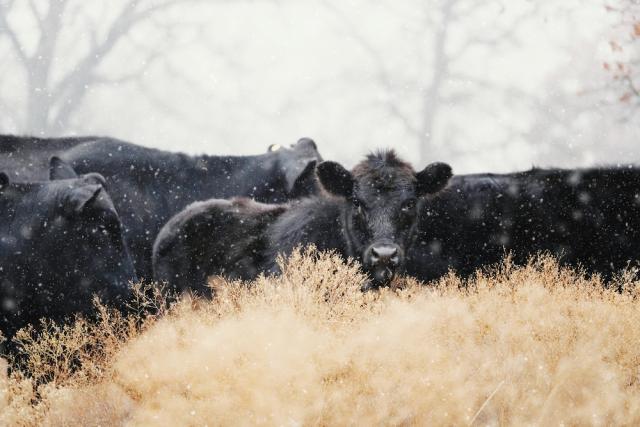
(336, 179)
(80, 198)
(59, 169)
(306, 183)
(433, 178)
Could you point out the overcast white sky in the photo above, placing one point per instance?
(238, 76)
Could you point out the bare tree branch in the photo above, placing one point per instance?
(36, 13)
(13, 37)
(382, 74)
(123, 24)
(437, 20)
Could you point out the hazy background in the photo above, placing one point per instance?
(483, 85)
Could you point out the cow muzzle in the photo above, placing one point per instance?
(382, 261)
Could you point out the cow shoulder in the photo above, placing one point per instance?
(185, 227)
(310, 221)
(213, 237)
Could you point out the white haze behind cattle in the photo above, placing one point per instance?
(520, 82)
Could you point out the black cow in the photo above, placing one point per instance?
(213, 237)
(585, 217)
(61, 242)
(148, 186)
(368, 214)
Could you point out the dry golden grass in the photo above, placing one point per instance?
(520, 345)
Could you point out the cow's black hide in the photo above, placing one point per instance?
(149, 186)
(213, 237)
(61, 242)
(585, 217)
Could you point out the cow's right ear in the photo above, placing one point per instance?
(59, 169)
(335, 179)
(306, 184)
(78, 198)
(95, 178)
(306, 144)
(4, 180)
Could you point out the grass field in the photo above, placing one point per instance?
(534, 344)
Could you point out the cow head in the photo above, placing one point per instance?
(64, 238)
(297, 164)
(88, 216)
(381, 200)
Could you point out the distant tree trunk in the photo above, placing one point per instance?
(50, 105)
(38, 102)
(431, 100)
(38, 68)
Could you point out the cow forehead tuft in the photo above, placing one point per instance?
(384, 170)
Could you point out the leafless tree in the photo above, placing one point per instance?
(585, 122)
(439, 81)
(55, 91)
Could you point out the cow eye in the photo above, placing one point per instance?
(359, 209)
(409, 206)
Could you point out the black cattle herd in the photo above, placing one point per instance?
(87, 216)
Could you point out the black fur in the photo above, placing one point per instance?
(586, 217)
(60, 243)
(214, 237)
(26, 158)
(149, 186)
